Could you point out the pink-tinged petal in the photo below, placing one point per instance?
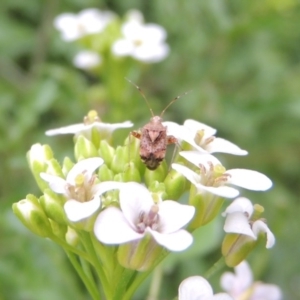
(176, 241)
(56, 184)
(240, 204)
(248, 179)
(224, 146)
(238, 223)
(86, 166)
(190, 175)
(194, 288)
(111, 227)
(196, 126)
(134, 200)
(266, 292)
(105, 186)
(77, 211)
(173, 216)
(197, 158)
(260, 226)
(221, 191)
(71, 129)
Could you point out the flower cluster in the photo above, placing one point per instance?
(121, 217)
(101, 32)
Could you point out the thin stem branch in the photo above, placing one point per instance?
(217, 266)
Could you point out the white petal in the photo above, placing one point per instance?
(176, 241)
(174, 129)
(86, 167)
(224, 146)
(264, 291)
(134, 200)
(151, 53)
(87, 59)
(196, 126)
(197, 158)
(238, 223)
(260, 226)
(77, 211)
(105, 186)
(248, 179)
(67, 24)
(190, 175)
(111, 227)
(222, 191)
(122, 47)
(155, 33)
(240, 204)
(221, 296)
(71, 129)
(174, 216)
(56, 184)
(194, 288)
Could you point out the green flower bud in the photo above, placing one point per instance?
(132, 145)
(54, 168)
(158, 191)
(52, 205)
(236, 247)
(176, 184)
(67, 166)
(120, 159)
(84, 148)
(32, 216)
(105, 174)
(58, 229)
(72, 237)
(158, 174)
(131, 173)
(140, 255)
(207, 207)
(106, 152)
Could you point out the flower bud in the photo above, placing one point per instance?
(207, 207)
(131, 173)
(52, 205)
(158, 191)
(54, 168)
(58, 229)
(132, 145)
(175, 184)
(84, 148)
(236, 247)
(140, 255)
(158, 174)
(120, 159)
(105, 174)
(72, 237)
(106, 152)
(67, 166)
(32, 216)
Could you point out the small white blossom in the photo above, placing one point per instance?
(241, 286)
(214, 178)
(87, 60)
(238, 220)
(139, 215)
(198, 288)
(88, 21)
(144, 42)
(90, 121)
(202, 137)
(79, 188)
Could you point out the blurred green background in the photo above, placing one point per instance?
(242, 61)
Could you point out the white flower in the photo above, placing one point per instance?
(90, 121)
(87, 60)
(202, 137)
(241, 286)
(198, 288)
(144, 42)
(139, 215)
(238, 220)
(88, 21)
(213, 177)
(79, 188)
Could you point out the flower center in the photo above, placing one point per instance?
(82, 190)
(199, 138)
(214, 175)
(149, 219)
(91, 118)
(137, 43)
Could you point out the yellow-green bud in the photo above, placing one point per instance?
(120, 159)
(54, 168)
(107, 152)
(84, 148)
(236, 247)
(176, 184)
(58, 229)
(158, 174)
(72, 237)
(158, 191)
(32, 216)
(105, 174)
(131, 173)
(132, 145)
(140, 255)
(67, 166)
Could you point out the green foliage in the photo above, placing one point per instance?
(240, 58)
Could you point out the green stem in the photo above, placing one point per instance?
(155, 283)
(217, 266)
(90, 285)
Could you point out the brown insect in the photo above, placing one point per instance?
(154, 138)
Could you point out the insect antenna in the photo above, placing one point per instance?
(176, 98)
(143, 95)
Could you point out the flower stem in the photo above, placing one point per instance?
(155, 283)
(217, 266)
(90, 284)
